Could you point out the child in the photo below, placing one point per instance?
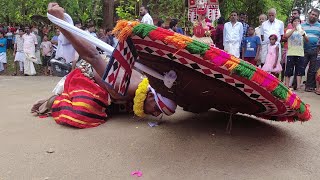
(46, 48)
(272, 65)
(18, 53)
(3, 51)
(295, 54)
(251, 47)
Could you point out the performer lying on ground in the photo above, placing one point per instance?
(84, 100)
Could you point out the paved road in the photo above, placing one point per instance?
(187, 146)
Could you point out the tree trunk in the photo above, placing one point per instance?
(108, 10)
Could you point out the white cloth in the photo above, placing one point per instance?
(232, 33)
(268, 28)
(20, 56)
(58, 89)
(233, 48)
(29, 42)
(257, 32)
(65, 48)
(19, 43)
(28, 64)
(3, 57)
(264, 52)
(38, 57)
(21, 65)
(1, 67)
(232, 37)
(76, 31)
(167, 106)
(147, 19)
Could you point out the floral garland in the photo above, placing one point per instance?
(140, 97)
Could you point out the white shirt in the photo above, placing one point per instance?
(257, 32)
(232, 34)
(268, 28)
(147, 19)
(29, 42)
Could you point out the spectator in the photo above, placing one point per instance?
(264, 47)
(29, 45)
(219, 33)
(46, 52)
(295, 54)
(312, 28)
(37, 52)
(45, 30)
(55, 39)
(9, 36)
(18, 53)
(91, 30)
(272, 63)
(102, 35)
(294, 13)
(178, 29)
(173, 26)
(3, 51)
(242, 19)
(251, 47)
(161, 24)
(232, 35)
(269, 27)
(78, 24)
(111, 40)
(146, 18)
(293, 81)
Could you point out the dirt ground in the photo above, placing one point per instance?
(186, 146)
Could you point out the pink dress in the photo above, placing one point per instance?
(270, 60)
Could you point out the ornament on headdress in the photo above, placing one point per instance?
(208, 8)
(202, 7)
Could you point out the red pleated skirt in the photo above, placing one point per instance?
(82, 104)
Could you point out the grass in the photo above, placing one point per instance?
(11, 69)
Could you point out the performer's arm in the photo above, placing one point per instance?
(85, 50)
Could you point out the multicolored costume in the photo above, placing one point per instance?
(82, 104)
(202, 27)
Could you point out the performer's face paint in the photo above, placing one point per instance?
(150, 105)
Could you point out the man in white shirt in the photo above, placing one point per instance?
(257, 31)
(269, 27)
(232, 35)
(29, 48)
(146, 18)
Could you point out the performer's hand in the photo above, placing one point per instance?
(55, 10)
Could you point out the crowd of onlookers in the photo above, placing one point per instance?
(35, 46)
(289, 51)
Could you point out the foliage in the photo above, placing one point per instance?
(21, 11)
(163, 9)
(127, 9)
